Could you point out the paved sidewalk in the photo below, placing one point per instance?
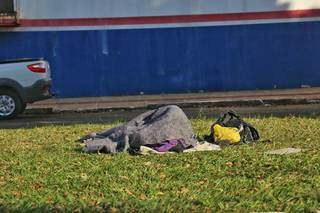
(208, 99)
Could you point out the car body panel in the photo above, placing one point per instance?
(31, 86)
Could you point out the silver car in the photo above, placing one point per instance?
(22, 81)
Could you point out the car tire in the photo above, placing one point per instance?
(10, 104)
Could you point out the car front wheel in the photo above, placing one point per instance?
(10, 104)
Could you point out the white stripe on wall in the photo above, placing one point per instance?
(63, 9)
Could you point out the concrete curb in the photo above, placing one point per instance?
(192, 104)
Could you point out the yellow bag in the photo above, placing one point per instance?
(229, 134)
(230, 129)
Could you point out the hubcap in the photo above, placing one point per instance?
(7, 105)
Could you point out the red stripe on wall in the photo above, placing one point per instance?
(170, 19)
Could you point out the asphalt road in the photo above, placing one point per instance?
(33, 120)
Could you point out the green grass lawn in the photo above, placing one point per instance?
(43, 169)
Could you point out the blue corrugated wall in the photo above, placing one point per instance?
(170, 60)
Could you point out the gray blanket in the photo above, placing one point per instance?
(151, 127)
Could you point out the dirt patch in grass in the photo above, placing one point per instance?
(43, 169)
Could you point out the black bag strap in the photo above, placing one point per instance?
(233, 114)
(254, 132)
(226, 117)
